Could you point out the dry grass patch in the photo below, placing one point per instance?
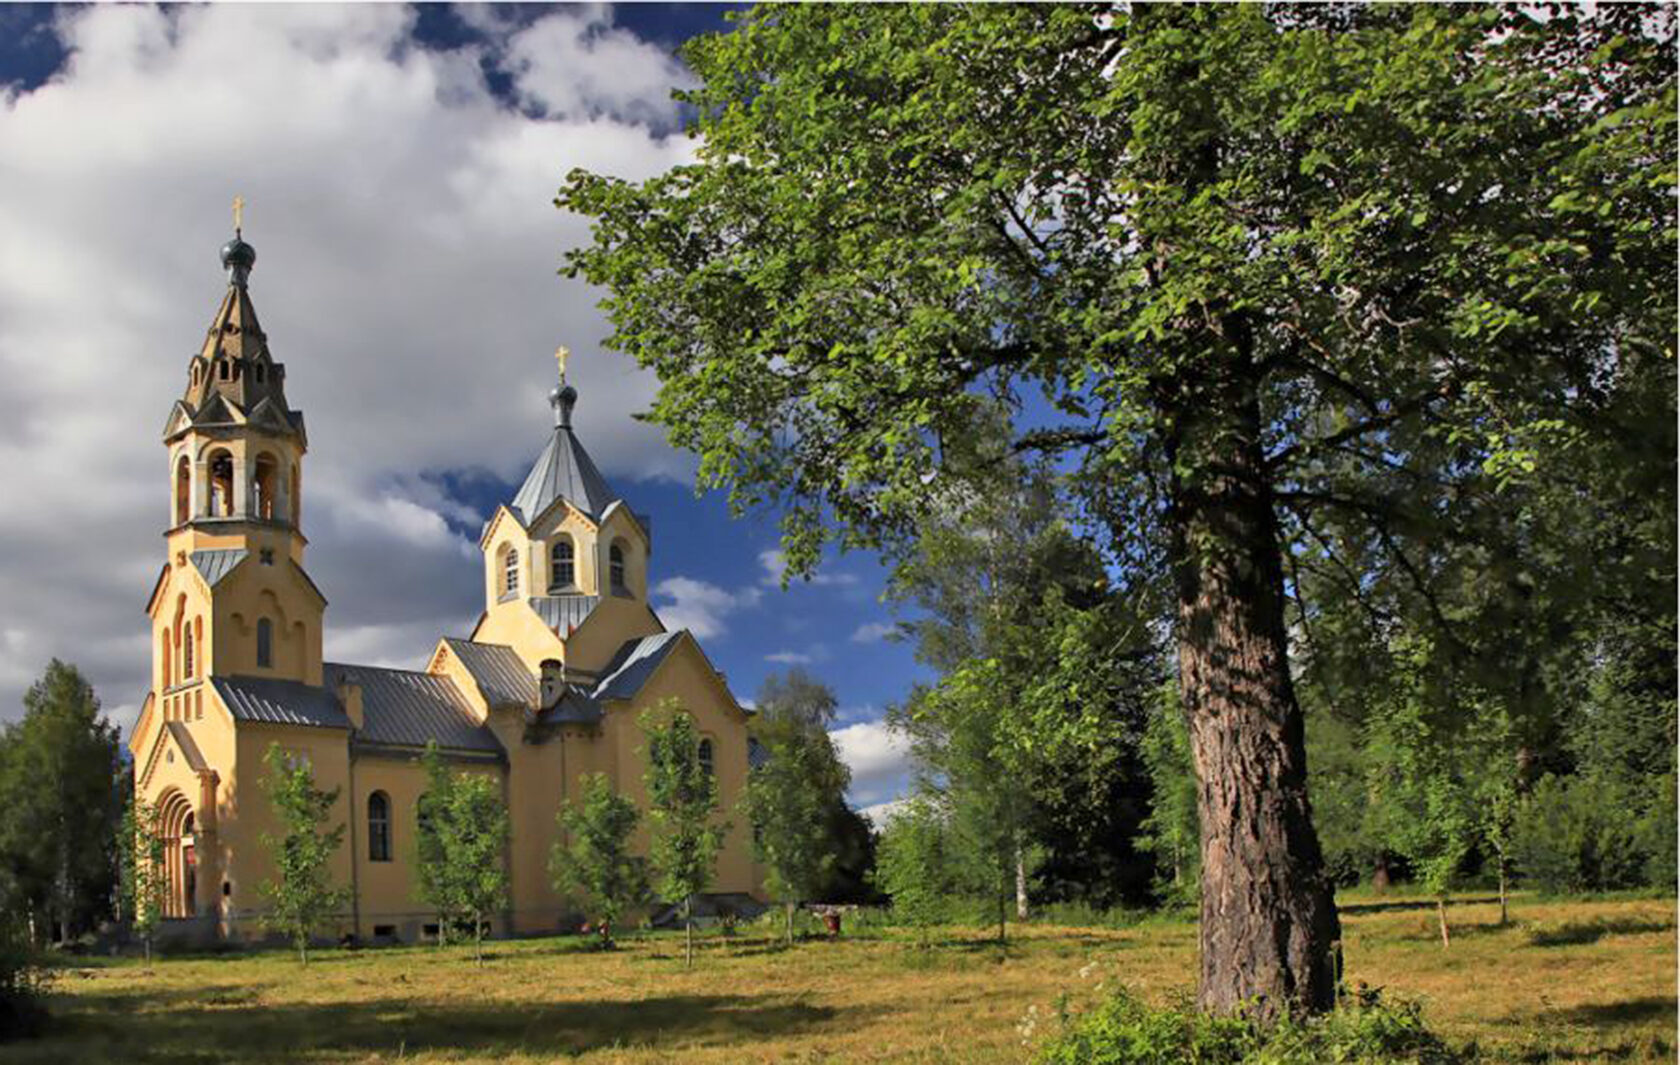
(1564, 981)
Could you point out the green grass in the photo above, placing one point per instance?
(1566, 981)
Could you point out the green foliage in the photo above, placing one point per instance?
(1126, 1031)
(1584, 834)
(301, 896)
(1172, 831)
(61, 793)
(787, 801)
(24, 982)
(913, 865)
(462, 846)
(140, 854)
(682, 804)
(795, 710)
(592, 858)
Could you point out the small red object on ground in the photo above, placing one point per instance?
(831, 921)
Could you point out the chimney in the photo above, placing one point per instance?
(350, 697)
(553, 682)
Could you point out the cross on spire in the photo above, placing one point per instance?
(238, 214)
(561, 354)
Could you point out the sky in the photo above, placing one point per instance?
(398, 166)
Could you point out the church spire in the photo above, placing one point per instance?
(564, 396)
(564, 470)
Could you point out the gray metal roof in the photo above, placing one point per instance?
(575, 707)
(633, 664)
(564, 470)
(214, 565)
(500, 675)
(280, 702)
(563, 613)
(402, 708)
(189, 748)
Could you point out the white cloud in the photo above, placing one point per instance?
(878, 757)
(574, 63)
(789, 658)
(407, 249)
(699, 607)
(873, 631)
(774, 563)
(882, 812)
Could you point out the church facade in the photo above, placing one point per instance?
(547, 687)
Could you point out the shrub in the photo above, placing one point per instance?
(23, 983)
(1126, 1031)
(1581, 834)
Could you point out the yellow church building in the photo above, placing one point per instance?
(546, 688)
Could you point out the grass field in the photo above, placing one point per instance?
(1566, 981)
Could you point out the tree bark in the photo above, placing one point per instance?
(1441, 913)
(1020, 884)
(1504, 880)
(1268, 920)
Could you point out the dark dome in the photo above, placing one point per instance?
(238, 253)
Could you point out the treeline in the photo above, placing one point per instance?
(1474, 717)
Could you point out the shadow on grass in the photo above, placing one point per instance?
(1616, 1014)
(1410, 904)
(208, 1023)
(1581, 933)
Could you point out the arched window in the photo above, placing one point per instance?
(183, 490)
(263, 476)
(706, 756)
(510, 572)
(187, 653)
(379, 827)
(167, 662)
(265, 643)
(562, 572)
(221, 485)
(615, 566)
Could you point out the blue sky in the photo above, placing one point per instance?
(399, 166)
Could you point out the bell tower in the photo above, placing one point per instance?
(234, 598)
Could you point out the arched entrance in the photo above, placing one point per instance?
(180, 861)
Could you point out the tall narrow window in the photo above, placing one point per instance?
(510, 572)
(295, 491)
(187, 653)
(706, 756)
(221, 485)
(167, 663)
(183, 490)
(562, 571)
(379, 827)
(615, 566)
(263, 477)
(265, 643)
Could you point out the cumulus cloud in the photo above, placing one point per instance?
(873, 631)
(882, 812)
(879, 759)
(789, 658)
(699, 607)
(407, 245)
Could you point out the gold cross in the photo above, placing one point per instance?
(561, 354)
(238, 213)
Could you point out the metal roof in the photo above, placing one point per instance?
(214, 565)
(280, 702)
(189, 749)
(500, 675)
(564, 470)
(562, 613)
(634, 663)
(402, 708)
(575, 707)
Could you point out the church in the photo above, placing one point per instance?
(546, 687)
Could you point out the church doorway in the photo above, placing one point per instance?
(180, 858)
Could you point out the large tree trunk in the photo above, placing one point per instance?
(1268, 920)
